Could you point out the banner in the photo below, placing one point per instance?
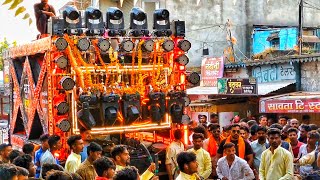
(239, 86)
(211, 70)
(290, 106)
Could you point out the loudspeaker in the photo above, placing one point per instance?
(55, 26)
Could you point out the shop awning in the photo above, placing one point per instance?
(297, 102)
(273, 36)
(202, 90)
(311, 39)
(269, 87)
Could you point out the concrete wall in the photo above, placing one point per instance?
(205, 24)
(310, 71)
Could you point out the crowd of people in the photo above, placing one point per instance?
(85, 161)
(247, 149)
(262, 149)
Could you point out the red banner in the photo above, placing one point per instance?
(211, 70)
(290, 106)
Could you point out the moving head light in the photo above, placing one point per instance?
(115, 22)
(94, 21)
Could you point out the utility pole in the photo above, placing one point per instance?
(300, 26)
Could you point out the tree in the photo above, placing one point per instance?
(16, 6)
(3, 46)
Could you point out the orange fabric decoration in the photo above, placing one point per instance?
(212, 146)
(241, 146)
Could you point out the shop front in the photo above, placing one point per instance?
(293, 105)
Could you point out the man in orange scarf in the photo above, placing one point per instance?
(243, 148)
(211, 145)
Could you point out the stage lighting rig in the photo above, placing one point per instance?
(115, 22)
(67, 83)
(176, 105)
(84, 116)
(193, 78)
(72, 20)
(110, 106)
(138, 22)
(157, 106)
(131, 107)
(94, 22)
(91, 99)
(64, 125)
(161, 23)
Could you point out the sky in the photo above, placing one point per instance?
(15, 28)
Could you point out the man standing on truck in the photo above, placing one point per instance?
(43, 11)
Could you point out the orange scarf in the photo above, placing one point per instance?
(241, 146)
(212, 146)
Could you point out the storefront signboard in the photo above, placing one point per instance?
(211, 69)
(273, 72)
(290, 106)
(233, 86)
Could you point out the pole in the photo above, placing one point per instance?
(300, 26)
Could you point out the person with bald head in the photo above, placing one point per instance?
(43, 11)
(294, 123)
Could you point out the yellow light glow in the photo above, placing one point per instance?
(185, 130)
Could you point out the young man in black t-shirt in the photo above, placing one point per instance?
(43, 11)
(234, 138)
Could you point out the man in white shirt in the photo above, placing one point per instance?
(231, 167)
(171, 154)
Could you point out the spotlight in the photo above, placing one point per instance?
(168, 45)
(67, 83)
(103, 44)
(157, 106)
(127, 45)
(161, 22)
(63, 108)
(61, 44)
(115, 22)
(72, 20)
(138, 22)
(85, 118)
(83, 44)
(131, 107)
(184, 45)
(62, 62)
(64, 125)
(94, 21)
(110, 106)
(182, 59)
(193, 78)
(176, 105)
(148, 45)
(91, 99)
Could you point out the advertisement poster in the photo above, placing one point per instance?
(233, 86)
(211, 70)
(226, 117)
